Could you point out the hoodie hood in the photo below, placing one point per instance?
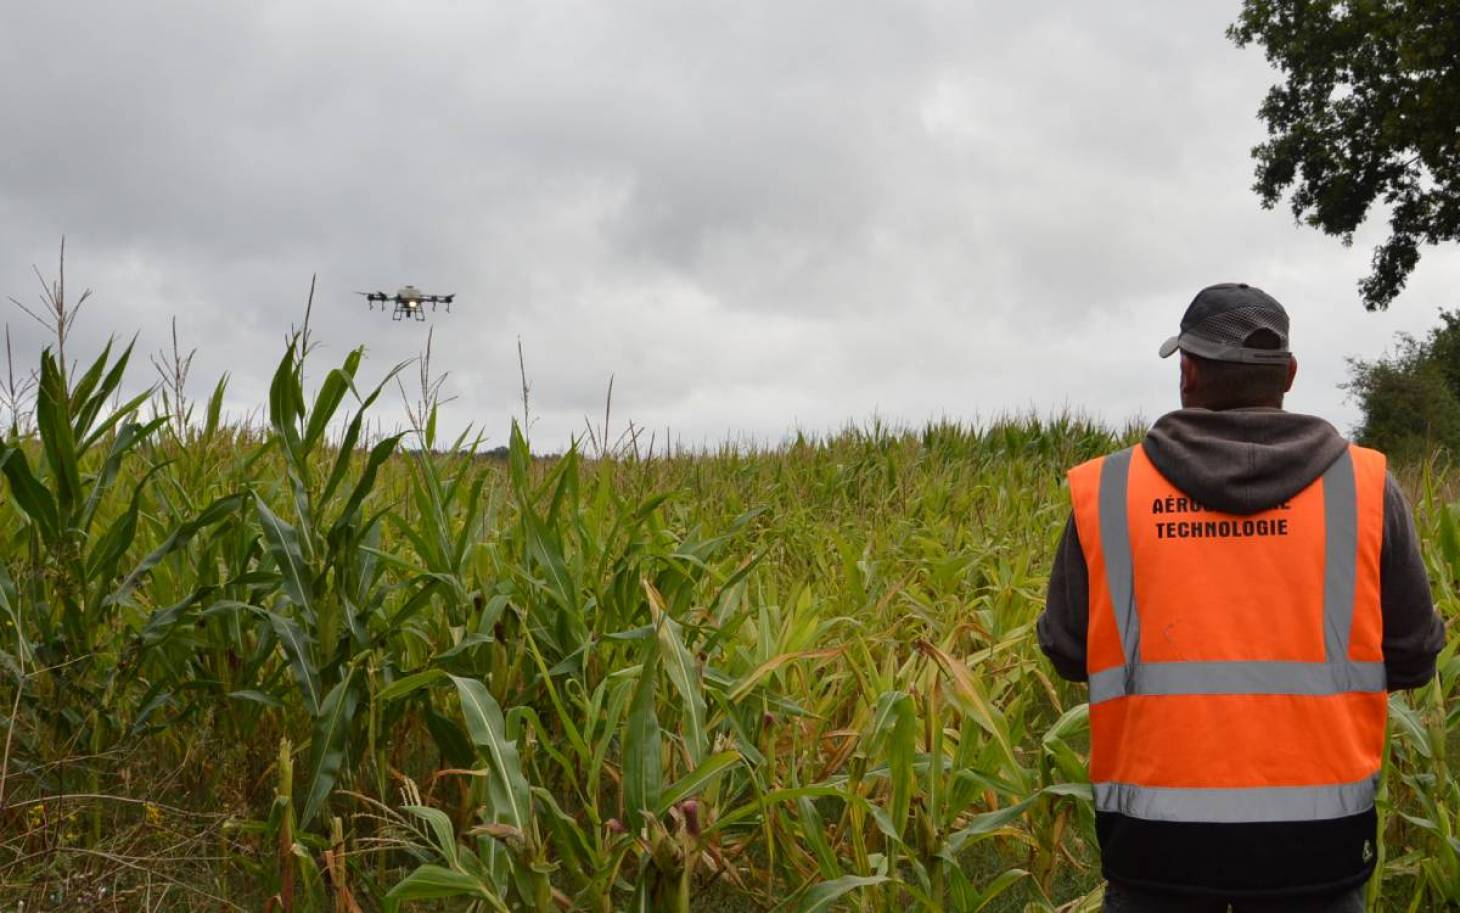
(1241, 461)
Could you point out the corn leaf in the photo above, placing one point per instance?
(433, 881)
(507, 789)
(327, 746)
(822, 897)
(642, 764)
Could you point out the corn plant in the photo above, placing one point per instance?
(416, 675)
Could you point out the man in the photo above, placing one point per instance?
(1241, 590)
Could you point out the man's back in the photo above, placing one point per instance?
(1226, 530)
(1240, 591)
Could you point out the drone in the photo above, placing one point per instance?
(409, 302)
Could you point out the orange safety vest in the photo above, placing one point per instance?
(1235, 662)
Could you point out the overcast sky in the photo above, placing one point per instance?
(756, 216)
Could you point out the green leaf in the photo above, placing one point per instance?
(53, 421)
(258, 697)
(518, 460)
(441, 829)
(1072, 722)
(88, 405)
(430, 881)
(352, 436)
(161, 622)
(455, 750)
(547, 555)
(337, 383)
(410, 684)
(749, 810)
(1405, 721)
(82, 387)
(343, 456)
(116, 415)
(296, 647)
(697, 779)
(30, 495)
(127, 438)
(1073, 790)
(215, 406)
(327, 746)
(283, 541)
(981, 826)
(1450, 539)
(824, 895)
(102, 560)
(642, 764)
(507, 789)
(813, 831)
(894, 731)
(378, 455)
(286, 405)
(684, 673)
(998, 886)
(968, 695)
(178, 538)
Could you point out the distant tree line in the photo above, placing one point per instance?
(1411, 397)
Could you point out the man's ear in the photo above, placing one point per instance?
(1190, 376)
(1292, 372)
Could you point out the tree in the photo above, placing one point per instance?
(1370, 110)
(1411, 399)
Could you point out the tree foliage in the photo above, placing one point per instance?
(1369, 110)
(1411, 398)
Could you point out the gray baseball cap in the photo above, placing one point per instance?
(1221, 318)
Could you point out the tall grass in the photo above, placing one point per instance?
(303, 668)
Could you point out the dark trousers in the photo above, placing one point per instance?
(1122, 899)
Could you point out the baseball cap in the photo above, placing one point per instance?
(1221, 318)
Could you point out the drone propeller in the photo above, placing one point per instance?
(373, 297)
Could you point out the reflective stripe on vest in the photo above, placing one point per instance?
(1234, 805)
(1261, 712)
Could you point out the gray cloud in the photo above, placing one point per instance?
(755, 216)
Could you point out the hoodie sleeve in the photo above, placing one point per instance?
(1062, 625)
(1413, 631)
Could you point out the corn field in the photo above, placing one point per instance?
(300, 667)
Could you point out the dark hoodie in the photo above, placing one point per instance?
(1242, 461)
